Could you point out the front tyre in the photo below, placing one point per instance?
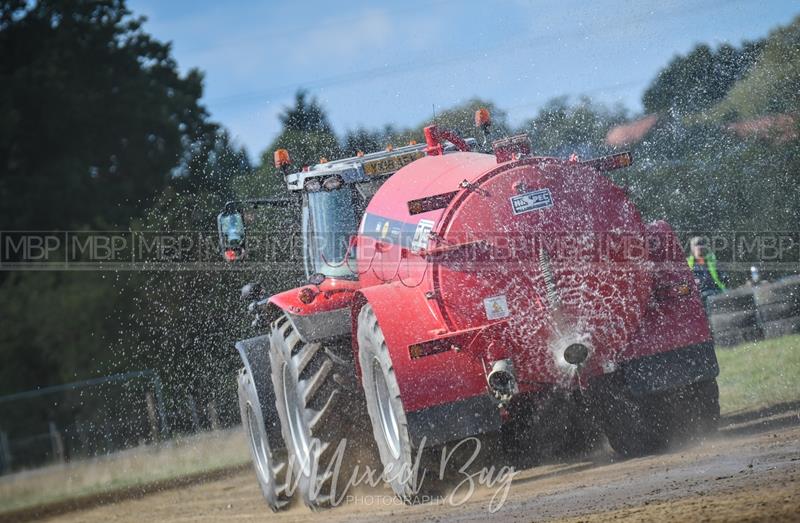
(310, 397)
(270, 464)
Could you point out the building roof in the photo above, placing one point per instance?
(631, 133)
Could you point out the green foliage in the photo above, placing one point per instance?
(461, 118)
(561, 129)
(771, 85)
(363, 140)
(306, 134)
(96, 127)
(93, 115)
(54, 325)
(696, 81)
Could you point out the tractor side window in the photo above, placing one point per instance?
(332, 220)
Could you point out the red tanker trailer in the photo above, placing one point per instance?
(457, 293)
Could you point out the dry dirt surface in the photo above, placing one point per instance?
(749, 471)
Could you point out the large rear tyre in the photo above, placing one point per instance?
(551, 426)
(636, 426)
(698, 409)
(310, 385)
(271, 467)
(386, 412)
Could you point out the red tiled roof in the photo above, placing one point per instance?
(631, 133)
(783, 127)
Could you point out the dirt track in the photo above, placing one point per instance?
(750, 471)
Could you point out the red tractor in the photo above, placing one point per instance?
(457, 293)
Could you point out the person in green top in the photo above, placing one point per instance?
(710, 280)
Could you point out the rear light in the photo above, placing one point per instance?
(307, 295)
(431, 203)
(429, 348)
(609, 163)
(230, 255)
(673, 291)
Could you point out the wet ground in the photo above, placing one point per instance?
(749, 471)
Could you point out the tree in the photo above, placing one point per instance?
(561, 129)
(99, 130)
(94, 114)
(696, 81)
(770, 86)
(306, 134)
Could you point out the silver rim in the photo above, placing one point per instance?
(260, 457)
(296, 430)
(391, 432)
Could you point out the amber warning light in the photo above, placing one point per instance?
(482, 118)
(282, 160)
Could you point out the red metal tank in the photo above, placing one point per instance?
(534, 255)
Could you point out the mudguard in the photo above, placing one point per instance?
(254, 353)
(671, 369)
(671, 321)
(673, 347)
(327, 316)
(407, 317)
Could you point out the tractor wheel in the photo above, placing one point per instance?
(698, 409)
(310, 386)
(636, 426)
(386, 412)
(558, 425)
(643, 425)
(271, 466)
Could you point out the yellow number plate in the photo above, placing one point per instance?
(390, 164)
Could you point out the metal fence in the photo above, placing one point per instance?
(98, 416)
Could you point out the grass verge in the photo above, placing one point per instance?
(194, 456)
(760, 374)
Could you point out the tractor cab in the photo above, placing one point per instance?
(329, 219)
(333, 196)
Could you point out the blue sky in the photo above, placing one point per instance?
(372, 63)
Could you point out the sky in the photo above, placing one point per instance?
(374, 63)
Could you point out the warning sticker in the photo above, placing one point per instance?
(496, 307)
(422, 235)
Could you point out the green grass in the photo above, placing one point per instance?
(201, 453)
(756, 375)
